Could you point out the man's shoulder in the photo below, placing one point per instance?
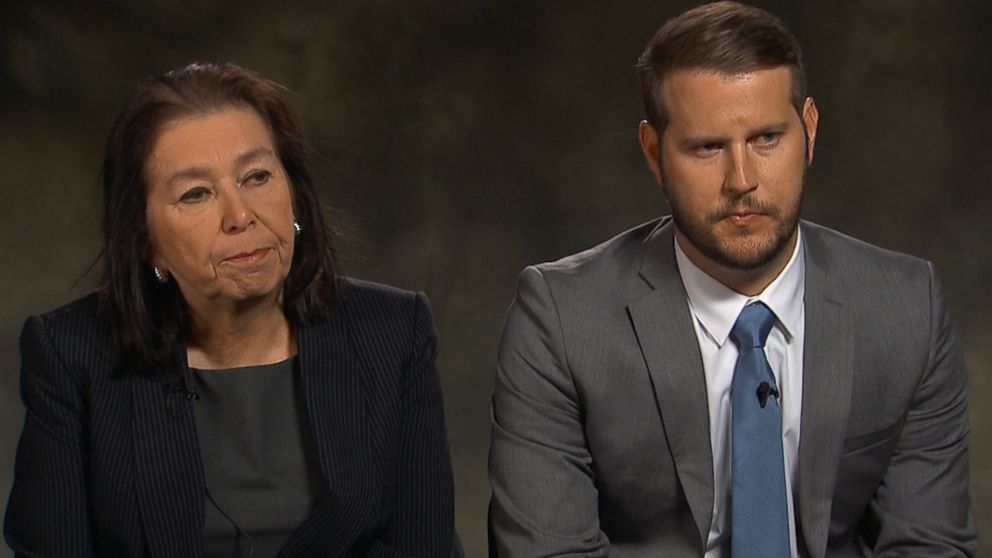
(834, 249)
(607, 262)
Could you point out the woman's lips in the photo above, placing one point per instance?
(248, 257)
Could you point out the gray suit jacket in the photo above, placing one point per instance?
(600, 433)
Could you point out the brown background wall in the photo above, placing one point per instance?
(460, 141)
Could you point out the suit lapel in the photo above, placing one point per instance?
(827, 378)
(338, 422)
(168, 473)
(660, 315)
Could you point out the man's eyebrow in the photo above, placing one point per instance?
(693, 141)
(253, 155)
(774, 127)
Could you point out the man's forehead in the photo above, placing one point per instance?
(702, 97)
(706, 78)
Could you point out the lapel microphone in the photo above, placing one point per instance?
(188, 393)
(764, 390)
(187, 396)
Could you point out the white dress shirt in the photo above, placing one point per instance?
(715, 309)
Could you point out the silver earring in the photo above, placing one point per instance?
(159, 274)
(297, 228)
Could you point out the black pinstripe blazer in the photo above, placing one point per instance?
(108, 462)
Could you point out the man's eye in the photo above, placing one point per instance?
(768, 139)
(256, 178)
(707, 149)
(194, 195)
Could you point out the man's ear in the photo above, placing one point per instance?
(650, 147)
(811, 116)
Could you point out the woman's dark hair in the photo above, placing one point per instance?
(726, 37)
(148, 317)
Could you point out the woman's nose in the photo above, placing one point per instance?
(238, 215)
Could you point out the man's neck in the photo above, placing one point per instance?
(748, 282)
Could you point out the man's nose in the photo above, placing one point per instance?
(740, 174)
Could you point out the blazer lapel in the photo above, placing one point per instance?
(660, 314)
(168, 473)
(827, 377)
(337, 416)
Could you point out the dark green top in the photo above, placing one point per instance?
(258, 458)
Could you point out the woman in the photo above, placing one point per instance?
(225, 392)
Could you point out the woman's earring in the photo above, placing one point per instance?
(297, 228)
(159, 274)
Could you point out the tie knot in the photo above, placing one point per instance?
(752, 326)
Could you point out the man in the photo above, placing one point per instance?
(729, 380)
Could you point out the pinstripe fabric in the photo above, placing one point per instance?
(108, 463)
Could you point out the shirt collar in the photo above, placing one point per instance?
(716, 306)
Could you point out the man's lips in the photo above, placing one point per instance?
(744, 218)
(744, 215)
(247, 257)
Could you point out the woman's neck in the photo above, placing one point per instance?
(244, 334)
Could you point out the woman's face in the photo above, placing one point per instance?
(219, 210)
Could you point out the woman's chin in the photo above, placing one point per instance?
(251, 288)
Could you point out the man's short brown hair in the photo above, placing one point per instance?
(726, 37)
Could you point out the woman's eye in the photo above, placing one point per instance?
(256, 178)
(194, 195)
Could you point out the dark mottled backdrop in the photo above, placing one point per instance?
(460, 141)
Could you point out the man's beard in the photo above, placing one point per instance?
(754, 253)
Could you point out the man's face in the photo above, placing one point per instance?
(731, 163)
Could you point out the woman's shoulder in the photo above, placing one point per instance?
(76, 319)
(370, 300)
(370, 290)
(74, 333)
(381, 313)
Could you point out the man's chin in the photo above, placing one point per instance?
(746, 263)
(748, 254)
(738, 246)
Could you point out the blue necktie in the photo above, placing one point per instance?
(759, 506)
